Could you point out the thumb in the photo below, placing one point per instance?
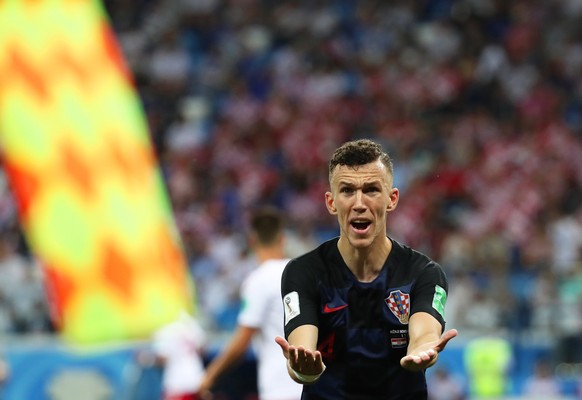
(284, 345)
(445, 338)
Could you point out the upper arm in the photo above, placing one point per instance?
(238, 344)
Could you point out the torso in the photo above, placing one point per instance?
(363, 326)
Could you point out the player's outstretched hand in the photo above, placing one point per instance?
(426, 356)
(300, 359)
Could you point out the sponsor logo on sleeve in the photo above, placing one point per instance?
(291, 306)
(439, 300)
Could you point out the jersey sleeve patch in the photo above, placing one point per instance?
(291, 305)
(439, 300)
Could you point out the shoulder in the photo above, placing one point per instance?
(322, 252)
(270, 269)
(412, 257)
(412, 263)
(317, 258)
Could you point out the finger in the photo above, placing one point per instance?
(408, 362)
(317, 358)
(415, 359)
(304, 359)
(310, 355)
(305, 355)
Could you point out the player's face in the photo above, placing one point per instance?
(361, 198)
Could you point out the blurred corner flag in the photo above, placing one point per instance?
(76, 150)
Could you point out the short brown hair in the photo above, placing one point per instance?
(359, 152)
(266, 224)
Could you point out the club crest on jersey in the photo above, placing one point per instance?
(399, 304)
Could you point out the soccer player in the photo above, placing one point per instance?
(177, 347)
(364, 314)
(261, 315)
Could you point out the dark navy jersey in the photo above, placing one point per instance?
(363, 326)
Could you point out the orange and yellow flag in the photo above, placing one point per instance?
(76, 150)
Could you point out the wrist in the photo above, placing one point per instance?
(305, 378)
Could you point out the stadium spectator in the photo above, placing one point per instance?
(487, 91)
(443, 385)
(542, 384)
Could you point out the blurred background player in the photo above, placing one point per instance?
(261, 315)
(178, 349)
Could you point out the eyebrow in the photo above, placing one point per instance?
(371, 183)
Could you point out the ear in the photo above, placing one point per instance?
(330, 203)
(394, 196)
(252, 240)
(281, 239)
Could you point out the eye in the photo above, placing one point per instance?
(346, 189)
(372, 189)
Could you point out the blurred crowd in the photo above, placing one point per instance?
(479, 103)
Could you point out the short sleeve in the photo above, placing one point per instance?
(300, 296)
(254, 302)
(430, 292)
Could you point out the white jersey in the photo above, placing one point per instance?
(262, 309)
(180, 343)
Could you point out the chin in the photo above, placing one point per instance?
(361, 243)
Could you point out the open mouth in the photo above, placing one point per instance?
(360, 226)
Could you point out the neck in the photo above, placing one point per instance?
(266, 253)
(365, 263)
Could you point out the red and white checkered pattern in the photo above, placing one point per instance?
(399, 304)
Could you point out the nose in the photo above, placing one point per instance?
(359, 204)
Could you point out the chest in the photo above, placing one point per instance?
(365, 306)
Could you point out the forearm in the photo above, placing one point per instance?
(223, 362)
(231, 355)
(424, 342)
